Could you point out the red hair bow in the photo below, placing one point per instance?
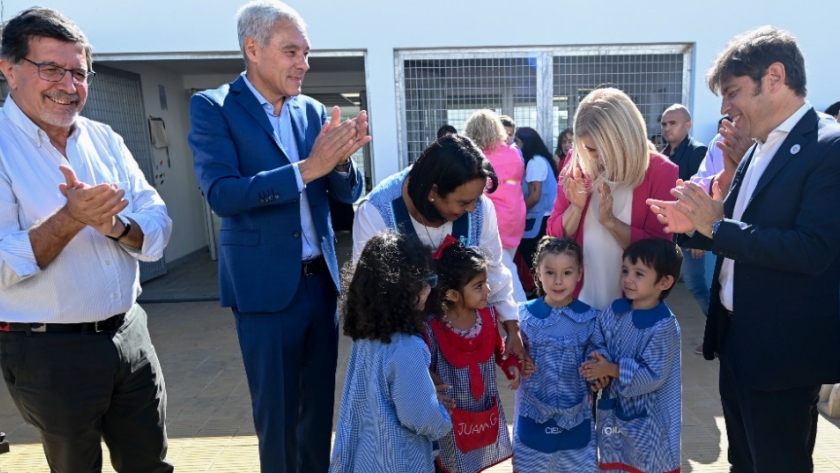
(448, 241)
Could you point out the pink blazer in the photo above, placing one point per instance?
(660, 178)
(508, 198)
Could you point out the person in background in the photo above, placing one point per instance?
(658, 142)
(834, 111)
(539, 188)
(77, 218)
(565, 142)
(267, 159)
(601, 197)
(687, 153)
(446, 130)
(485, 129)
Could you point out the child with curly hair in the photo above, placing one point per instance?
(390, 411)
(465, 341)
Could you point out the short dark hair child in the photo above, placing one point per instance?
(382, 291)
(663, 256)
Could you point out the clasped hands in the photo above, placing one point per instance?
(94, 206)
(598, 371)
(335, 144)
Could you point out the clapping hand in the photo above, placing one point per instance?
(95, 206)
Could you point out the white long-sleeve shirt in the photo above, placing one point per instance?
(93, 277)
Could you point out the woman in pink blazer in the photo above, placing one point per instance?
(603, 187)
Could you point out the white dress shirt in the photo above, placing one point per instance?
(764, 153)
(93, 277)
(368, 222)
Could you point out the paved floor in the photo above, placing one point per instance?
(210, 424)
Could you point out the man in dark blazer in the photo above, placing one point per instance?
(267, 159)
(682, 149)
(774, 318)
(687, 153)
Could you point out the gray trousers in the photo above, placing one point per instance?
(80, 388)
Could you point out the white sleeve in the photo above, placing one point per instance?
(537, 170)
(367, 223)
(498, 276)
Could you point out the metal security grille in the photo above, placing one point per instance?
(448, 91)
(116, 98)
(653, 81)
(539, 87)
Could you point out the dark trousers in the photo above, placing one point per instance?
(528, 246)
(80, 388)
(290, 361)
(768, 431)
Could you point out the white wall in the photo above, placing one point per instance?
(179, 188)
(379, 27)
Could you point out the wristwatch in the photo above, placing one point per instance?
(127, 224)
(715, 226)
(344, 167)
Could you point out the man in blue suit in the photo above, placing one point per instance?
(774, 316)
(266, 159)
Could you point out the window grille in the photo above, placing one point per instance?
(539, 87)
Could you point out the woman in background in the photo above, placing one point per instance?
(539, 188)
(565, 143)
(486, 130)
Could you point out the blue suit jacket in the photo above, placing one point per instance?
(786, 324)
(249, 182)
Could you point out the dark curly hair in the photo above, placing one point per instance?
(382, 291)
(457, 266)
(554, 246)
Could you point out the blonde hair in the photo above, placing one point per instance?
(485, 128)
(614, 123)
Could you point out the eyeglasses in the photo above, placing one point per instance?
(431, 279)
(54, 73)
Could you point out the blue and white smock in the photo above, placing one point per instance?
(639, 413)
(451, 458)
(389, 414)
(554, 429)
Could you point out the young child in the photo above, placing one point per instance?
(554, 429)
(638, 426)
(390, 412)
(464, 337)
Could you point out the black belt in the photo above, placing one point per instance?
(109, 324)
(313, 266)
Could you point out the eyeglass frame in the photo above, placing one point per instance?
(431, 280)
(89, 75)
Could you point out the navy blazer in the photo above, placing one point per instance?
(688, 156)
(248, 181)
(785, 326)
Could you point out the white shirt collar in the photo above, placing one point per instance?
(787, 125)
